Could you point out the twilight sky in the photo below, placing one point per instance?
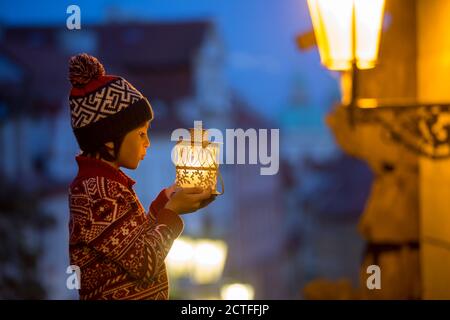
(263, 64)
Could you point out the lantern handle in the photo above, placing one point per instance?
(222, 185)
(219, 175)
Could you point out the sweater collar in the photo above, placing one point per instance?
(91, 167)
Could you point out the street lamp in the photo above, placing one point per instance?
(237, 291)
(347, 33)
(202, 260)
(180, 257)
(209, 260)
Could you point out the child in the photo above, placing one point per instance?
(119, 248)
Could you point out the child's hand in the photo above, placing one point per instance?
(206, 202)
(187, 200)
(171, 190)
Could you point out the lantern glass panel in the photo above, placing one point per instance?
(333, 28)
(197, 164)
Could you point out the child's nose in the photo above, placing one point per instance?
(147, 143)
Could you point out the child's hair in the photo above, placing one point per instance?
(104, 152)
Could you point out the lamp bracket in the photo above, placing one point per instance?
(423, 128)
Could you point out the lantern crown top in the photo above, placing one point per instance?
(198, 135)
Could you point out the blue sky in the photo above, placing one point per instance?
(259, 35)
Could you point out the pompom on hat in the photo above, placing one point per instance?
(103, 107)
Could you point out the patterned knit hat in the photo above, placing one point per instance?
(103, 107)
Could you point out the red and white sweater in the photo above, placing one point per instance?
(119, 248)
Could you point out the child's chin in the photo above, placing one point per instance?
(131, 166)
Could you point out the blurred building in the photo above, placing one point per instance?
(256, 232)
(177, 65)
(184, 81)
(324, 197)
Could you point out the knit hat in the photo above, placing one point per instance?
(103, 107)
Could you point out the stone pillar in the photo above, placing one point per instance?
(390, 221)
(433, 70)
(407, 145)
(382, 137)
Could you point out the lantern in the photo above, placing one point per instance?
(197, 162)
(347, 32)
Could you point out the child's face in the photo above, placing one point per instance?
(134, 147)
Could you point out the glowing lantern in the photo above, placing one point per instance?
(197, 162)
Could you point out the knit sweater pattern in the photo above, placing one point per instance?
(119, 247)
